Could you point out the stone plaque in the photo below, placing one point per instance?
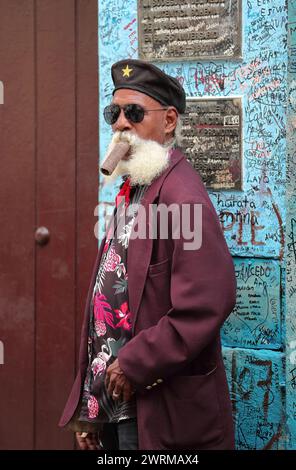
(212, 140)
(192, 29)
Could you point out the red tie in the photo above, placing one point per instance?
(124, 192)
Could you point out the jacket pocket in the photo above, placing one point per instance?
(194, 412)
(185, 386)
(159, 268)
(156, 298)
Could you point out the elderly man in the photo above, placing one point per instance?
(151, 374)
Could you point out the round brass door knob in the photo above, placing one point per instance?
(42, 235)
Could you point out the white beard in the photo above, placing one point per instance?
(147, 160)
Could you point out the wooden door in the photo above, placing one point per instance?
(48, 178)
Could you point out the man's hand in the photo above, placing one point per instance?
(118, 386)
(89, 442)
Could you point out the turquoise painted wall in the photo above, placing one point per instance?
(258, 332)
(290, 252)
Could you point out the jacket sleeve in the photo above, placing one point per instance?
(202, 294)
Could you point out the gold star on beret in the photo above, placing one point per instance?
(127, 71)
(143, 77)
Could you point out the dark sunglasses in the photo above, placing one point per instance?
(133, 112)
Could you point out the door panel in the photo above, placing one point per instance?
(55, 201)
(48, 177)
(17, 187)
(86, 149)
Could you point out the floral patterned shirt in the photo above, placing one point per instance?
(110, 320)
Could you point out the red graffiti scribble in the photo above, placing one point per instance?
(234, 386)
(276, 437)
(242, 218)
(255, 227)
(265, 384)
(130, 24)
(263, 90)
(282, 233)
(240, 233)
(180, 79)
(210, 81)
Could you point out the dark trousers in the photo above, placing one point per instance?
(120, 436)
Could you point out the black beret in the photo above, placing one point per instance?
(146, 78)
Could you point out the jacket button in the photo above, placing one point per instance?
(153, 385)
(159, 381)
(148, 387)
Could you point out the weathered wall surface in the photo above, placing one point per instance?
(253, 219)
(256, 381)
(290, 261)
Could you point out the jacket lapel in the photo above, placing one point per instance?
(140, 250)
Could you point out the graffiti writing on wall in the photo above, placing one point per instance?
(246, 219)
(253, 217)
(256, 319)
(290, 259)
(256, 379)
(260, 78)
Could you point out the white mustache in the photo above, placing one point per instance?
(147, 159)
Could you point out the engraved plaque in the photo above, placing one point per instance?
(192, 29)
(212, 140)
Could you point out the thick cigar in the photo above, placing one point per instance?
(110, 163)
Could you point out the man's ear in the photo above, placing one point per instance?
(170, 121)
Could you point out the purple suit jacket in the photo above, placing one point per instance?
(179, 300)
